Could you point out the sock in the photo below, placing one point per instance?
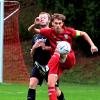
(52, 93)
(61, 97)
(31, 94)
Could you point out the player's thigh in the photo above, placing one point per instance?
(36, 77)
(70, 61)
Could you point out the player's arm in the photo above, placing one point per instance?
(41, 42)
(46, 48)
(88, 39)
(32, 50)
(33, 29)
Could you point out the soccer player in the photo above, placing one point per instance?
(58, 62)
(41, 55)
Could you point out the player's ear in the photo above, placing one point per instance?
(49, 21)
(52, 23)
(62, 23)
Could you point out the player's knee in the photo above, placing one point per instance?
(33, 83)
(51, 84)
(32, 86)
(52, 78)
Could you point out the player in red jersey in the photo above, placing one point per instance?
(59, 62)
(41, 55)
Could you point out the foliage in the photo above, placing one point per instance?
(85, 71)
(83, 15)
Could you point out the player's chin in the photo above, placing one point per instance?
(58, 30)
(43, 23)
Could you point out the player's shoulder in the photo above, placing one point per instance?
(36, 37)
(45, 28)
(69, 28)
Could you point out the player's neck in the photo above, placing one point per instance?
(45, 26)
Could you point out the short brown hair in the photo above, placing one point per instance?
(58, 16)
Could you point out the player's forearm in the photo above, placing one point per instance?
(47, 48)
(87, 38)
(32, 50)
(33, 29)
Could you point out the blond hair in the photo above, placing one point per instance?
(49, 17)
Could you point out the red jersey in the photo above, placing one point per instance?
(54, 37)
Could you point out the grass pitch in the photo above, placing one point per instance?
(71, 91)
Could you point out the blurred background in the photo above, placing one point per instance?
(83, 15)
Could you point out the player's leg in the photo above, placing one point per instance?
(60, 94)
(36, 79)
(70, 62)
(53, 64)
(32, 89)
(52, 78)
(32, 85)
(51, 88)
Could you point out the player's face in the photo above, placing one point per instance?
(43, 19)
(57, 24)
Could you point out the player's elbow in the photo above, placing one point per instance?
(83, 33)
(37, 30)
(29, 29)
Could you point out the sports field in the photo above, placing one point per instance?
(71, 91)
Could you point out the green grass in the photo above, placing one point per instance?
(71, 91)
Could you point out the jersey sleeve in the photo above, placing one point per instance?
(45, 32)
(74, 33)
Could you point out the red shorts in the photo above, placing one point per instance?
(57, 68)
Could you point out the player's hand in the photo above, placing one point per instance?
(37, 44)
(37, 20)
(41, 43)
(94, 49)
